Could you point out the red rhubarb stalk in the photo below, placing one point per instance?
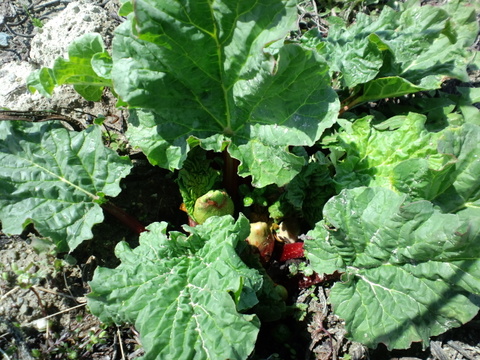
(292, 251)
(124, 217)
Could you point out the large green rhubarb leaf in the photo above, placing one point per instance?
(400, 51)
(428, 43)
(55, 179)
(402, 155)
(185, 294)
(409, 271)
(399, 154)
(216, 73)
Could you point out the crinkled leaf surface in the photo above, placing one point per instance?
(196, 178)
(419, 44)
(54, 178)
(410, 272)
(353, 51)
(398, 154)
(463, 143)
(429, 42)
(181, 295)
(310, 190)
(208, 71)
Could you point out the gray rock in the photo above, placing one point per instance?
(78, 18)
(4, 39)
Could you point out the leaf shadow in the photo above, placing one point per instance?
(427, 318)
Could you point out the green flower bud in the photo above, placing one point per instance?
(213, 203)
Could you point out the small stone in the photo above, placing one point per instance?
(41, 324)
(4, 39)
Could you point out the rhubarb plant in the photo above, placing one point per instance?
(60, 196)
(388, 194)
(413, 277)
(184, 292)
